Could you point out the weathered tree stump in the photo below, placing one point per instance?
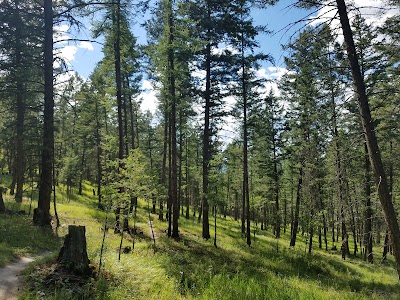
(2, 206)
(73, 255)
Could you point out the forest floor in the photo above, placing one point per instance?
(190, 267)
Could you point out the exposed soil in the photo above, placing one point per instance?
(10, 277)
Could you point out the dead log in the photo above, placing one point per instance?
(73, 255)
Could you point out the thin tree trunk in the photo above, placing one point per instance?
(118, 82)
(215, 226)
(20, 108)
(125, 117)
(180, 201)
(82, 167)
(99, 153)
(311, 232)
(325, 229)
(246, 196)
(164, 161)
(206, 143)
(131, 118)
(187, 180)
(284, 213)
(243, 209)
(276, 192)
(236, 205)
(174, 170)
(297, 209)
(385, 247)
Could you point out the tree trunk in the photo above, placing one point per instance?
(246, 196)
(180, 201)
(187, 180)
(243, 210)
(99, 153)
(345, 236)
(20, 107)
(41, 215)
(116, 20)
(369, 131)
(297, 210)
(73, 255)
(82, 167)
(206, 144)
(276, 192)
(236, 214)
(215, 226)
(174, 170)
(2, 206)
(324, 222)
(311, 234)
(125, 115)
(164, 161)
(385, 247)
(284, 213)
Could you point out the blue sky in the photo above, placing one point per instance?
(85, 56)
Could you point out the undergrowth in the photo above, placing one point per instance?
(191, 267)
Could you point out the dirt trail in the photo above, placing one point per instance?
(9, 277)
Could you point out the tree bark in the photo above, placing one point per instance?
(73, 255)
(276, 191)
(206, 145)
(368, 210)
(246, 194)
(370, 137)
(174, 153)
(99, 153)
(41, 215)
(164, 161)
(116, 19)
(297, 210)
(2, 206)
(20, 108)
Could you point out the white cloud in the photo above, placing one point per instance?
(60, 34)
(221, 48)
(271, 73)
(86, 45)
(147, 85)
(149, 97)
(67, 53)
(375, 12)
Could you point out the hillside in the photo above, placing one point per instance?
(190, 268)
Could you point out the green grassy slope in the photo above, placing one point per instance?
(193, 268)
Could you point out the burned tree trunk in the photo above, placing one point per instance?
(73, 255)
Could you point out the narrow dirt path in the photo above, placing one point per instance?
(9, 277)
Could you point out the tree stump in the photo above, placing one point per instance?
(73, 255)
(2, 206)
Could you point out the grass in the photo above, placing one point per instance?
(18, 237)
(192, 268)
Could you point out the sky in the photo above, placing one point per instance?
(84, 55)
(282, 19)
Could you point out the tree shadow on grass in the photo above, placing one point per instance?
(19, 237)
(194, 262)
